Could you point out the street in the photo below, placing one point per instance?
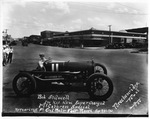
(128, 72)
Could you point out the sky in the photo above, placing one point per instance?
(30, 17)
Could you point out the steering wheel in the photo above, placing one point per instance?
(45, 62)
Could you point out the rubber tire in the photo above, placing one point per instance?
(104, 68)
(95, 97)
(33, 87)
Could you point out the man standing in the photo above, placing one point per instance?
(4, 56)
(10, 55)
(7, 49)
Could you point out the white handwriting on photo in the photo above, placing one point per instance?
(129, 97)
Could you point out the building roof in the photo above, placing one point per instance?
(95, 31)
(138, 30)
(51, 31)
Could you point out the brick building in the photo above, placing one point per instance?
(46, 36)
(93, 37)
(34, 39)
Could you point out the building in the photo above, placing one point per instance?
(138, 30)
(34, 39)
(143, 30)
(48, 35)
(94, 37)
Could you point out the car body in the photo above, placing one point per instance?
(115, 46)
(94, 75)
(128, 45)
(24, 43)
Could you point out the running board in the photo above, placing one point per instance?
(52, 73)
(54, 79)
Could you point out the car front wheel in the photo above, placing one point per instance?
(100, 86)
(99, 68)
(24, 84)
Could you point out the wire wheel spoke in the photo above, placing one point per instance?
(98, 69)
(24, 85)
(99, 86)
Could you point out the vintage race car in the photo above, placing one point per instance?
(94, 75)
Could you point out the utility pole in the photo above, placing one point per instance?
(6, 36)
(109, 33)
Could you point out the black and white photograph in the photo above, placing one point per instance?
(74, 58)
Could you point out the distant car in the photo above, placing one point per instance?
(128, 45)
(137, 45)
(13, 43)
(114, 46)
(24, 43)
(94, 75)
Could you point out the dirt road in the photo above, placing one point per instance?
(128, 72)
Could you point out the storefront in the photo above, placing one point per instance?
(95, 38)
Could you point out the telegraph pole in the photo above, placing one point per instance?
(109, 33)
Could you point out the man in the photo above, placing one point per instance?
(4, 56)
(42, 68)
(10, 55)
(41, 62)
(7, 49)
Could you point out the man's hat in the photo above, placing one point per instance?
(41, 55)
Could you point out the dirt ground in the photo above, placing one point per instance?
(128, 72)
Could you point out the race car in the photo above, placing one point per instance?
(94, 75)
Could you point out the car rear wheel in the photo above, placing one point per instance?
(99, 68)
(100, 86)
(24, 84)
